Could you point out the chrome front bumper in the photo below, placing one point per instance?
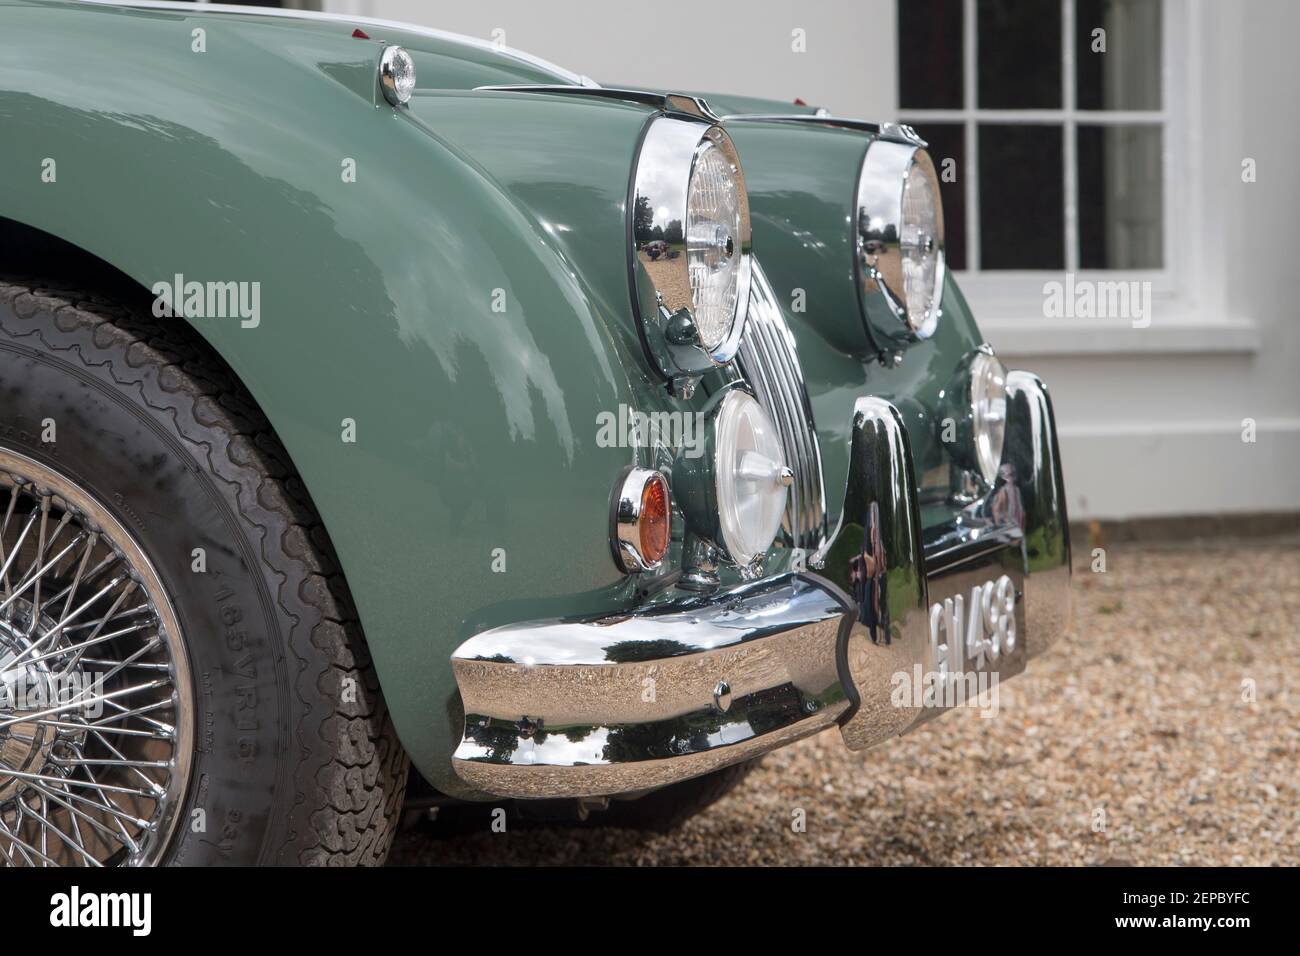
(636, 701)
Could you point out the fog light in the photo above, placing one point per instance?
(988, 399)
(397, 75)
(751, 475)
(642, 520)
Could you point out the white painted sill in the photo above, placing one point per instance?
(1105, 337)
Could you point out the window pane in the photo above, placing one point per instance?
(1022, 197)
(1126, 76)
(1120, 197)
(1019, 54)
(948, 142)
(929, 54)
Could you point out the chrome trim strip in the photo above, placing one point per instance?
(668, 102)
(576, 79)
(769, 360)
(894, 132)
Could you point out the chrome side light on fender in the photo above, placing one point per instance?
(396, 75)
(899, 239)
(689, 247)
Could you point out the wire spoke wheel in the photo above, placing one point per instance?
(96, 702)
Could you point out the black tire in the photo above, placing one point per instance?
(287, 767)
(669, 807)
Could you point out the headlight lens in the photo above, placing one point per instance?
(714, 221)
(988, 397)
(922, 245)
(900, 240)
(691, 243)
(751, 475)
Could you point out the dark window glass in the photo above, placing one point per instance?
(1022, 197)
(1118, 69)
(1121, 221)
(1019, 54)
(948, 150)
(929, 54)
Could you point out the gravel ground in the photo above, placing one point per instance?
(1131, 743)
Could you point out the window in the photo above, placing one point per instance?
(1054, 116)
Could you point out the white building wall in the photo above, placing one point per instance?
(1151, 421)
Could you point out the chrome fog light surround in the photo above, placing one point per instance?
(988, 401)
(734, 496)
(976, 402)
(641, 497)
(396, 75)
(689, 247)
(899, 240)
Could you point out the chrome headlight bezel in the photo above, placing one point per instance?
(878, 233)
(662, 297)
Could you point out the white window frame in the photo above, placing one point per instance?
(1011, 301)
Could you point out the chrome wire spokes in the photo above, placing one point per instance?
(95, 701)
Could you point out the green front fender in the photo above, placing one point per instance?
(428, 302)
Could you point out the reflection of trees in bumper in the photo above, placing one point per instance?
(1045, 547)
(498, 738)
(751, 716)
(632, 652)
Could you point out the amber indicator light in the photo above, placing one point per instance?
(656, 519)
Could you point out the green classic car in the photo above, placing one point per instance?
(376, 398)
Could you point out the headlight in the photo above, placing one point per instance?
(734, 497)
(690, 247)
(899, 240)
(988, 399)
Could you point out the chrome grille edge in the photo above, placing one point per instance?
(769, 360)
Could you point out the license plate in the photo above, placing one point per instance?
(976, 628)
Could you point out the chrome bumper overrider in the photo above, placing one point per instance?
(636, 701)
